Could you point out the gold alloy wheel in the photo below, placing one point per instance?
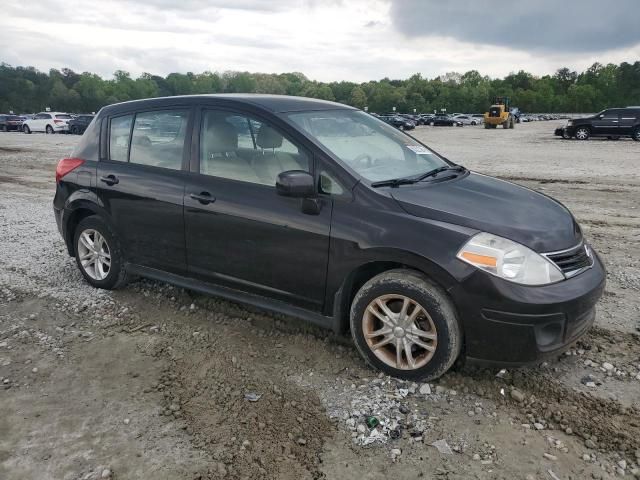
(399, 331)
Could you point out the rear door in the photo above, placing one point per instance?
(628, 119)
(239, 232)
(140, 180)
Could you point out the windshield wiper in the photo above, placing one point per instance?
(436, 171)
(395, 182)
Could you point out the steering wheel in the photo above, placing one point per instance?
(364, 159)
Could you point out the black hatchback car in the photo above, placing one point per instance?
(323, 212)
(612, 123)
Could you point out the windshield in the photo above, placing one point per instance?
(371, 148)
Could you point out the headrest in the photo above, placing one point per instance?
(221, 136)
(268, 137)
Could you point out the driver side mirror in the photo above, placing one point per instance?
(295, 183)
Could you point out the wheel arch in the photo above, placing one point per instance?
(78, 211)
(364, 272)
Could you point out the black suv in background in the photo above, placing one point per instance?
(612, 123)
(79, 124)
(320, 211)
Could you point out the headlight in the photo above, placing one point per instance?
(509, 260)
(569, 123)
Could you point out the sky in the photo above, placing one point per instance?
(327, 40)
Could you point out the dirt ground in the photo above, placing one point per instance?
(155, 382)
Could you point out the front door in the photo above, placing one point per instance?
(606, 123)
(239, 232)
(141, 184)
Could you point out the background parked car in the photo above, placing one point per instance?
(612, 123)
(398, 122)
(79, 124)
(444, 120)
(48, 122)
(466, 119)
(10, 122)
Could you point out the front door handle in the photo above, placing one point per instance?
(110, 180)
(204, 198)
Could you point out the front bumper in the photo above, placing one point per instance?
(510, 324)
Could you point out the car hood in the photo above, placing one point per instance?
(495, 206)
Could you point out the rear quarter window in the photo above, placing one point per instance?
(88, 147)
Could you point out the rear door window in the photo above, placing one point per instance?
(158, 138)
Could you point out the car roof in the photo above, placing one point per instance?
(273, 103)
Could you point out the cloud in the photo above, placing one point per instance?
(534, 25)
(327, 40)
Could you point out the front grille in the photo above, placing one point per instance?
(573, 260)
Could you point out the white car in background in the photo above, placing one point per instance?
(48, 122)
(466, 119)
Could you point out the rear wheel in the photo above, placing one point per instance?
(636, 134)
(26, 129)
(582, 133)
(401, 127)
(98, 254)
(49, 130)
(74, 130)
(405, 325)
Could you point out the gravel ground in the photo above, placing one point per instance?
(157, 382)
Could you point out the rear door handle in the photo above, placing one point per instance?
(204, 198)
(110, 180)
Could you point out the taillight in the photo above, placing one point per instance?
(66, 165)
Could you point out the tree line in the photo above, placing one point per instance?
(27, 90)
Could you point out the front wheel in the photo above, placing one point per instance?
(404, 325)
(26, 129)
(636, 134)
(98, 254)
(49, 129)
(582, 133)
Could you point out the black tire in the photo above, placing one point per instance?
(26, 129)
(74, 130)
(582, 133)
(432, 299)
(49, 130)
(487, 126)
(117, 274)
(512, 124)
(401, 127)
(473, 122)
(636, 134)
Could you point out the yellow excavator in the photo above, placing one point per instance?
(499, 114)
